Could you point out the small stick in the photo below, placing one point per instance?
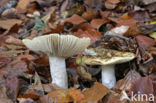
(116, 35)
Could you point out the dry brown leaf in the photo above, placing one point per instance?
(110, 5)
(145, 42)
(143, 86)
(13, 40)
(32, 95)
(114, 1)
(22, 6)
(89, 15)
(60, 95)
(133, 31)
(76, 95)
(83, 26)
(126, 82)
(83, 73)
(13, 84)
(97, 23)
(75, 19)
(105, 14)
(91, 33)
(95, 93)
(9, 23)
(152, 50)
(128, 22)
(47, 99)
(4, 61)
(43, 60)
(94, 3)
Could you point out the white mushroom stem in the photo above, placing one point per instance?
(58, 71)
(108, 76)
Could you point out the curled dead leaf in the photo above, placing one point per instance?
(83, 73)
(91, 33)
(97, 23)
(95, 93)
(76, 95)
(60, 95)
(75, 19)
(9, 23)
(126, 82)
(13, 40)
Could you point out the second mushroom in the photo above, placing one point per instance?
(107, 59)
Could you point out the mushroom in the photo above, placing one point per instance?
(58, 47)
(107, 58)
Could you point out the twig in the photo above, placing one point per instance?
(117, 35)
(25, 33)
(10, 4)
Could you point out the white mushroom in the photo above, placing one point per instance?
(107, 58)
(58, 47)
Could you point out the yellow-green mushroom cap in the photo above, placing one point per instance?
(107, 57)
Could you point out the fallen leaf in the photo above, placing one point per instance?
(43, 60)
(133, 31)
(95, 93)
(142, 86)
(13, 47)
(105, 14)
(94, 4)
(4, 61)
(76, 95)
(13, 84)
(47, 99)
(128, 80)
(114, 1)
(29, 95)
(60, 95)
(22, 6)
(128, 22)
(152, 51)
(144, 42)
(110, 4)
(83, 26)
(91, 33)
(75, 19)
(83, 73)
(90, 14)
(9, 23)
(97, 23)
(13, 40)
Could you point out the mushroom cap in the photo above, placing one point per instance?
(57, 45)
(107, 57)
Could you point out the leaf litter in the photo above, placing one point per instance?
(123, 25)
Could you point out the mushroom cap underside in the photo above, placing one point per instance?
(107, 57)
(57, 45)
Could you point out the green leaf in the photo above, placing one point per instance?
(39, 24)
(153, 35)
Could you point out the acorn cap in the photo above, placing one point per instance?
(57, 45)
(107, 57)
